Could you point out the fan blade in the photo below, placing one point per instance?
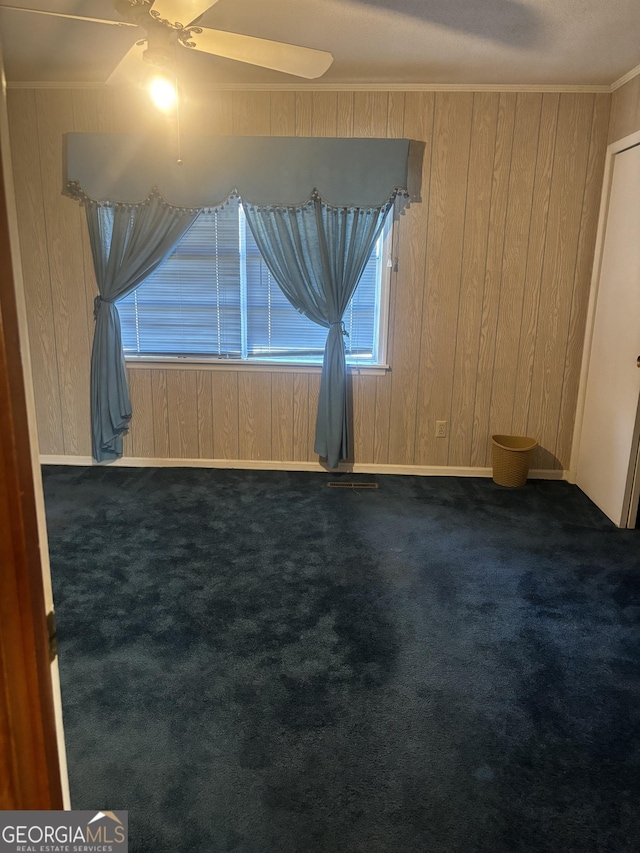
(182, 11)
(290, 58)
(71, 17)
(130, 69)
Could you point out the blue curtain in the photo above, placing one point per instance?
(317, 253)
(128, 243)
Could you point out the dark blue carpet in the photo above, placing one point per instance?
(254, 662)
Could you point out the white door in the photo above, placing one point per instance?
(608, 443)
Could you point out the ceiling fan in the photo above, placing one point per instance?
(171, 24)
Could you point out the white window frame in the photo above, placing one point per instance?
(280, 365)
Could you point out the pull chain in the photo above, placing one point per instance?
(178, 124)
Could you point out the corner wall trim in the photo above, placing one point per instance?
(625, 78)
(272, 465)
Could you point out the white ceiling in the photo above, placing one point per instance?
(526, 42)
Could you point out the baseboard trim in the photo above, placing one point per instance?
(271, 465)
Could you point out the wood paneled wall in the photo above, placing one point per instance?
(488, 303)
(625, 110)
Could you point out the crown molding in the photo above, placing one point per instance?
(347, 87)
(625, 78)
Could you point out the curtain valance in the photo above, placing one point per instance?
(123, 168)
(315, 207)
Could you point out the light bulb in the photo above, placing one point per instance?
(163, 93)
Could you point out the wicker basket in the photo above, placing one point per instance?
(510, 456)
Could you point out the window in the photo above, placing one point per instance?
(214, 297)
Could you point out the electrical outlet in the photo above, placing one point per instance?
(441, 429)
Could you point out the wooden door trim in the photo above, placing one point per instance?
(29, 764)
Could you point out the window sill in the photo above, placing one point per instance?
(176, 363)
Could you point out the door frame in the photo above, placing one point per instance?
(614, 148)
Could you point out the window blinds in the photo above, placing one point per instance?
(214, 296)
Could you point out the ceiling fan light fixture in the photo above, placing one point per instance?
(163, 91)
(164, 34)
